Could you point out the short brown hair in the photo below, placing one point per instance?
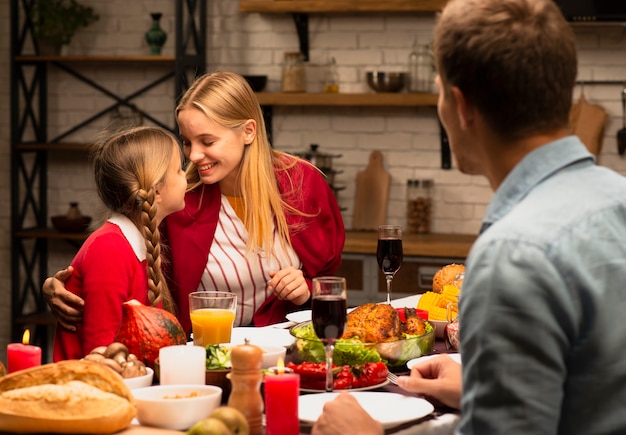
(515, 60)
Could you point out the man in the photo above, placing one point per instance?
(543, 296)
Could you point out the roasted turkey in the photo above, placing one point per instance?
(377, 323)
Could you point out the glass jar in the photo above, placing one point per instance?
(294, 75)
(419, 205)
(331, 81)
(421, 69)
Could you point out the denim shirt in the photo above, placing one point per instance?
(543, 346)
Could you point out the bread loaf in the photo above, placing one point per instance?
(65, 397)
(446, 275)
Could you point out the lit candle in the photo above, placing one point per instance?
(282, 388)
(23, 355)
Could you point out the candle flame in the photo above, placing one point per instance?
(26, 337)
(280, 365)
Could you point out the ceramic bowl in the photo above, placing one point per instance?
(396, 353)
(271, 355)
(175, 407)
(382, 81)
(140, 381)
(257, 83)
(219, 378)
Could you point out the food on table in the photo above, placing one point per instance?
(3, 369)
(217, 357)
(145, 330)
(313, 375)
(436, 303)
(117, 357)
(231, 418)
(446, 276)
(66, 397)
(399, 342)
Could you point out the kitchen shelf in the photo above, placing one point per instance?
(335, 6)
(87, 59)
(327, 99)
(53, 147)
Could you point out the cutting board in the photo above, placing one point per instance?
(372, 192)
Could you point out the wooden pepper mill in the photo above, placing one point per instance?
(245, 378)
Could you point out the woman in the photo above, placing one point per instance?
(257, 222)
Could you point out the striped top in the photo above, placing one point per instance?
(230, 268)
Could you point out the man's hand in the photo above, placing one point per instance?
(344, 415)
(65, 305)
(439, 378)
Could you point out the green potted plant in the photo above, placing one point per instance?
(56, 21)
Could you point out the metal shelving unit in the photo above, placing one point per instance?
(31, 144)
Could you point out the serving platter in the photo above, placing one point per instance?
(260, 336)
(398, 408)
(456, 357)
(368, 388)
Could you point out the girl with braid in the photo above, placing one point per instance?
(140, 179)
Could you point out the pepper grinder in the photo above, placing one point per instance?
(245, 378)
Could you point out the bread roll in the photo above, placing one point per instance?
(65, 397)
(446, 275)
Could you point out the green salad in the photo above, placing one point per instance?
(353, 351)
(217, 357)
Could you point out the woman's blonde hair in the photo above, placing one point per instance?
(128, 166)
(227, 99)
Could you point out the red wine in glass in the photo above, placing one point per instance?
(329, 316)
(389, 253)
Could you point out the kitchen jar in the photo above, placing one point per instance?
(294, 74)
(419, 206)
(421, 69)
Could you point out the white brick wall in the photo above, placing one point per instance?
(254, 44)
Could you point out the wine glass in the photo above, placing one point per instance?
(329, 312)
(389, 252)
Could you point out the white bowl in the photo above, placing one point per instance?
(271, 355)
(176, 407)
(140, 381)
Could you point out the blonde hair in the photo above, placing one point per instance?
(128, 165)
(227, 99)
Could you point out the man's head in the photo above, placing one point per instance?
(513, 60)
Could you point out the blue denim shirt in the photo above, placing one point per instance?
(543, 300)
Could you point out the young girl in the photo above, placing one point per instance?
(140, 179)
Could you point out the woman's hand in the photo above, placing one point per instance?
(65, 305)
(439, 378)
(289, 284)
(344, 415)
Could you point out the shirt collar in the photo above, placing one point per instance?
(131, 233)
(535, 167)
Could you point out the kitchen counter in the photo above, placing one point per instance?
(418, 245)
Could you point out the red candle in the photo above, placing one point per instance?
(282, 388)
(23, 355)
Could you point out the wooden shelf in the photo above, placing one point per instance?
(343, 6)
(95, 59)
(49, 233)
(54, 147)
(419, 245)
(39, 318)
(356, 100)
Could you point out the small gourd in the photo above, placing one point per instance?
(145, 330)
(246, 377)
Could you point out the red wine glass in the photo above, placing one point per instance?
(329, 312)
(389, 253)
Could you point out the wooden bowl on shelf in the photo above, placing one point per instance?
(65, 225)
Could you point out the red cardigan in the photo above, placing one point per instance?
(318, 240)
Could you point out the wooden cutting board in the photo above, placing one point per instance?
(372, 192)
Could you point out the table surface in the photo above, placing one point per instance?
(442, 422)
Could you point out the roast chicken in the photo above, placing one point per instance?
(377, 323)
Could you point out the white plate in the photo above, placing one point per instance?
(455, 356)
(371, 387)
(299, 316)
(267, 336)
(397, 408)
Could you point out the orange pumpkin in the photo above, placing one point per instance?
(145, 330)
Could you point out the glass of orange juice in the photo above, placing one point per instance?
(212, 315)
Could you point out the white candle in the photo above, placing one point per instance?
(182, 364)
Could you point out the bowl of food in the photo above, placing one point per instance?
(383, 81)
(175, 407)
(373, 333)
(140, 381)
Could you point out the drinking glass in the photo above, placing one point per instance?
(212, 315)
(329, 312)
(389, 253)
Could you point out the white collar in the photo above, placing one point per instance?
(131, 233)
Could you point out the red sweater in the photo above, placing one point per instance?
(107, 273)
(318, 240)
